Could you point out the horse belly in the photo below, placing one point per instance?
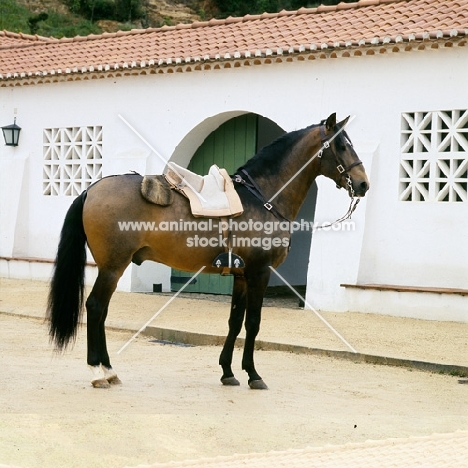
(188, 251)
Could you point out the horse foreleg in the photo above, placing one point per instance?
(256, 286)
(236, 319)
(96, 308)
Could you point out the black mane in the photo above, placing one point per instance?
(269, 160)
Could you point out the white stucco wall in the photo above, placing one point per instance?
(417, 244)
(401, 243)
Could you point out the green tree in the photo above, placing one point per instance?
(118, 10)
(128, 10)
(17, 18)
(13, 17)
(34, 20)
(243, 7)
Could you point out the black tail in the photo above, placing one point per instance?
(66, 293)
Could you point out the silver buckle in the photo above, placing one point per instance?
(341, 169)
(268, 206)
(326, 144)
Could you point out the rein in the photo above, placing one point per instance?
(352, 206)
(343, 170)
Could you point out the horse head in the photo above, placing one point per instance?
(339, 161)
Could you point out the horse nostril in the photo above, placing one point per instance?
(364, 186)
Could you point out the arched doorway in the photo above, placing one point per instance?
(229, 146)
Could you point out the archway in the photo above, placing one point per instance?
(229, 146)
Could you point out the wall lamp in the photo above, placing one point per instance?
(11, 134)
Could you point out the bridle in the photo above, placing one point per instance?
(342, 169)
(244, 178)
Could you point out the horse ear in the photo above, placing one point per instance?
(331, 121)
(344, 122)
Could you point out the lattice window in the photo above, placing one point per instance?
(72, 159)
(434, 160)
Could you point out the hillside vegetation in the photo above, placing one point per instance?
(68, 18)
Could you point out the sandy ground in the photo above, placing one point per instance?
(282, 322)
(172, 406)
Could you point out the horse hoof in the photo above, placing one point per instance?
(100, 383)
(114, 380)
(232, 381)
(258, 385)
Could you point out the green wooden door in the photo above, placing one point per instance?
(229, 146)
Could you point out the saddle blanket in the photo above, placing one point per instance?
(212, 195)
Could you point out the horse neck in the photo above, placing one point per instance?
(300, 167)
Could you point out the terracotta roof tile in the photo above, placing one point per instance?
(363, 22)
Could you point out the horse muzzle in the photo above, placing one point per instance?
(354, 187)
(359, 187)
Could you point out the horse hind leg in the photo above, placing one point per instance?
(236, 319)
(109, 373)
(96, 307)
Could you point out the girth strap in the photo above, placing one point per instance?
(255, 190)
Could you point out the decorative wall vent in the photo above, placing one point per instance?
(434, 156)
(72, 159)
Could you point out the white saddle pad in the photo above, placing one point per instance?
(212, 195)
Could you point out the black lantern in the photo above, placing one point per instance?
(11, 134)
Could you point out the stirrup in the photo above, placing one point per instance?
(228, 260)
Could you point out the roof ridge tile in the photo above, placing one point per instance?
(362, 3)
(123, 33)
(29, 37)
(233, 19)
(183, 26)
(305, 10)
(346, 6)
(250, 17)
(268, 15)
(201, 24)
(325, 8)
(363, 23)
(215, 21)
(287, 13)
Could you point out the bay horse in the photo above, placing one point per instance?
(272, 187)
